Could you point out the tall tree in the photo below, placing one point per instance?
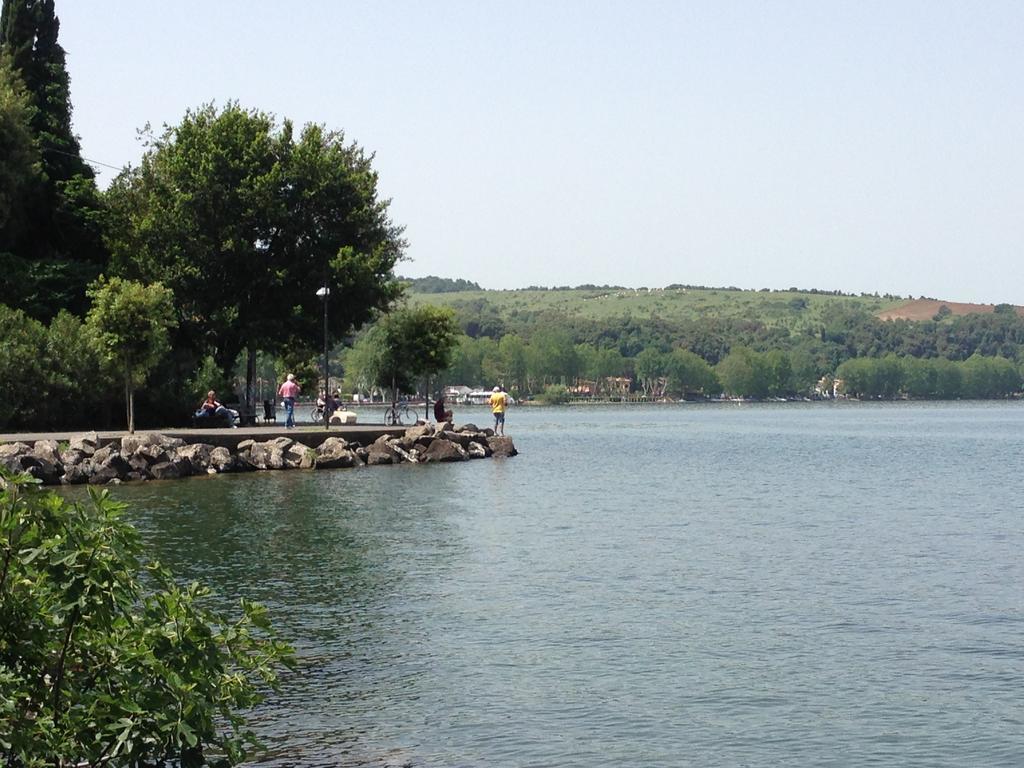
(54, 248)
(245, 223)
(129, 322)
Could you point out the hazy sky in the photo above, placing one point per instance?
(860, 146)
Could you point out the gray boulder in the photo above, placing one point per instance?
(467, 428)
(221, 460)
(444, 450)
(197, 455)
(166, 470)
(334, 453)
(73, 456)
(419, 431)
(478, 450)
(87, 443)
(76, 474)
(298, 456)
(501, 446)
(47, 450)
(113, 467)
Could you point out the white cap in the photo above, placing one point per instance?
(497, 389)
(291, 377)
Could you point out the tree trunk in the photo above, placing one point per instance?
(250, 377)
(129, 401)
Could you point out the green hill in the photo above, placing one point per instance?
(792, 309)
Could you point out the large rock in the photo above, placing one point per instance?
(11, 455)
(501, 446)
(268, 455)
(462, 438)
(47, 450)
(467, 428)
(334, 453)
(380, 453)
(197, 455)
(152, 453)
(298, 456)
(444, 450)
(418, 431)
(76, 474)
(113, 467)
(166, 470)
(101, 455)
(478, 450)
(221, 460)
(140, 465)
(87, 443)
(131, 443)
(73, 457)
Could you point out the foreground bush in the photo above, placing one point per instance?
(105, 660)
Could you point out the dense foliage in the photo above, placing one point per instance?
(51, 244)
(244, 222)
(404, 345)
(106, 660)
(433, 284)
(129, 324)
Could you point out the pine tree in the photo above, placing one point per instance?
(55, 249)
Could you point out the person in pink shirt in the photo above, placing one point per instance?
(288, 392)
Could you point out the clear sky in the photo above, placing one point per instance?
(859, 146)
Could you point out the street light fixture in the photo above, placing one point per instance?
(324, 293)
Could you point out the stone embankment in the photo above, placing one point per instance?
(154, 456)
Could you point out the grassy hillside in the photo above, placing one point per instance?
(790, 309)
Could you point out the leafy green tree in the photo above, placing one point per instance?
(76, 390)
(689, 373)
(512, 355)
(780, 372)
(130, 324)
(408, 343)
(245, 223)
(54, 246)
(948, 379)
(17, 145)
(744, 373)
(105, 660)
(22, 367)
(466, 367)
(919, 377)
(551, 358)
(651, 369)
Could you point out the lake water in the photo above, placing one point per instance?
(737, 585)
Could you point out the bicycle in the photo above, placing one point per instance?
(316, 415)
(397, 414)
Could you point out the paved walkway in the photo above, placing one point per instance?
(307, 435)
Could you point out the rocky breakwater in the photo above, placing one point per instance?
(154, 456)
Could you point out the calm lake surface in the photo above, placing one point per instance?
(739, 585)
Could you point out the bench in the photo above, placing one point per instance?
(210, 422)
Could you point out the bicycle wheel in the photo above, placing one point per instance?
(316, 415)
(391, 417)
(405, 416)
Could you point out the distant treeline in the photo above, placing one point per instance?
(432, 284)
(976, 355)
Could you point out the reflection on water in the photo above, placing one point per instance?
(788, 585)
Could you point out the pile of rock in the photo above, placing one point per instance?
(154, 456)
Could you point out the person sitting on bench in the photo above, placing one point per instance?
(210, 408)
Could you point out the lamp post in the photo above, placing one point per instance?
(324, 293)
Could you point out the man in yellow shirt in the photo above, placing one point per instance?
(499, 401)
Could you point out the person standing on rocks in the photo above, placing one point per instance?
(499, 402)
(288, 392)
